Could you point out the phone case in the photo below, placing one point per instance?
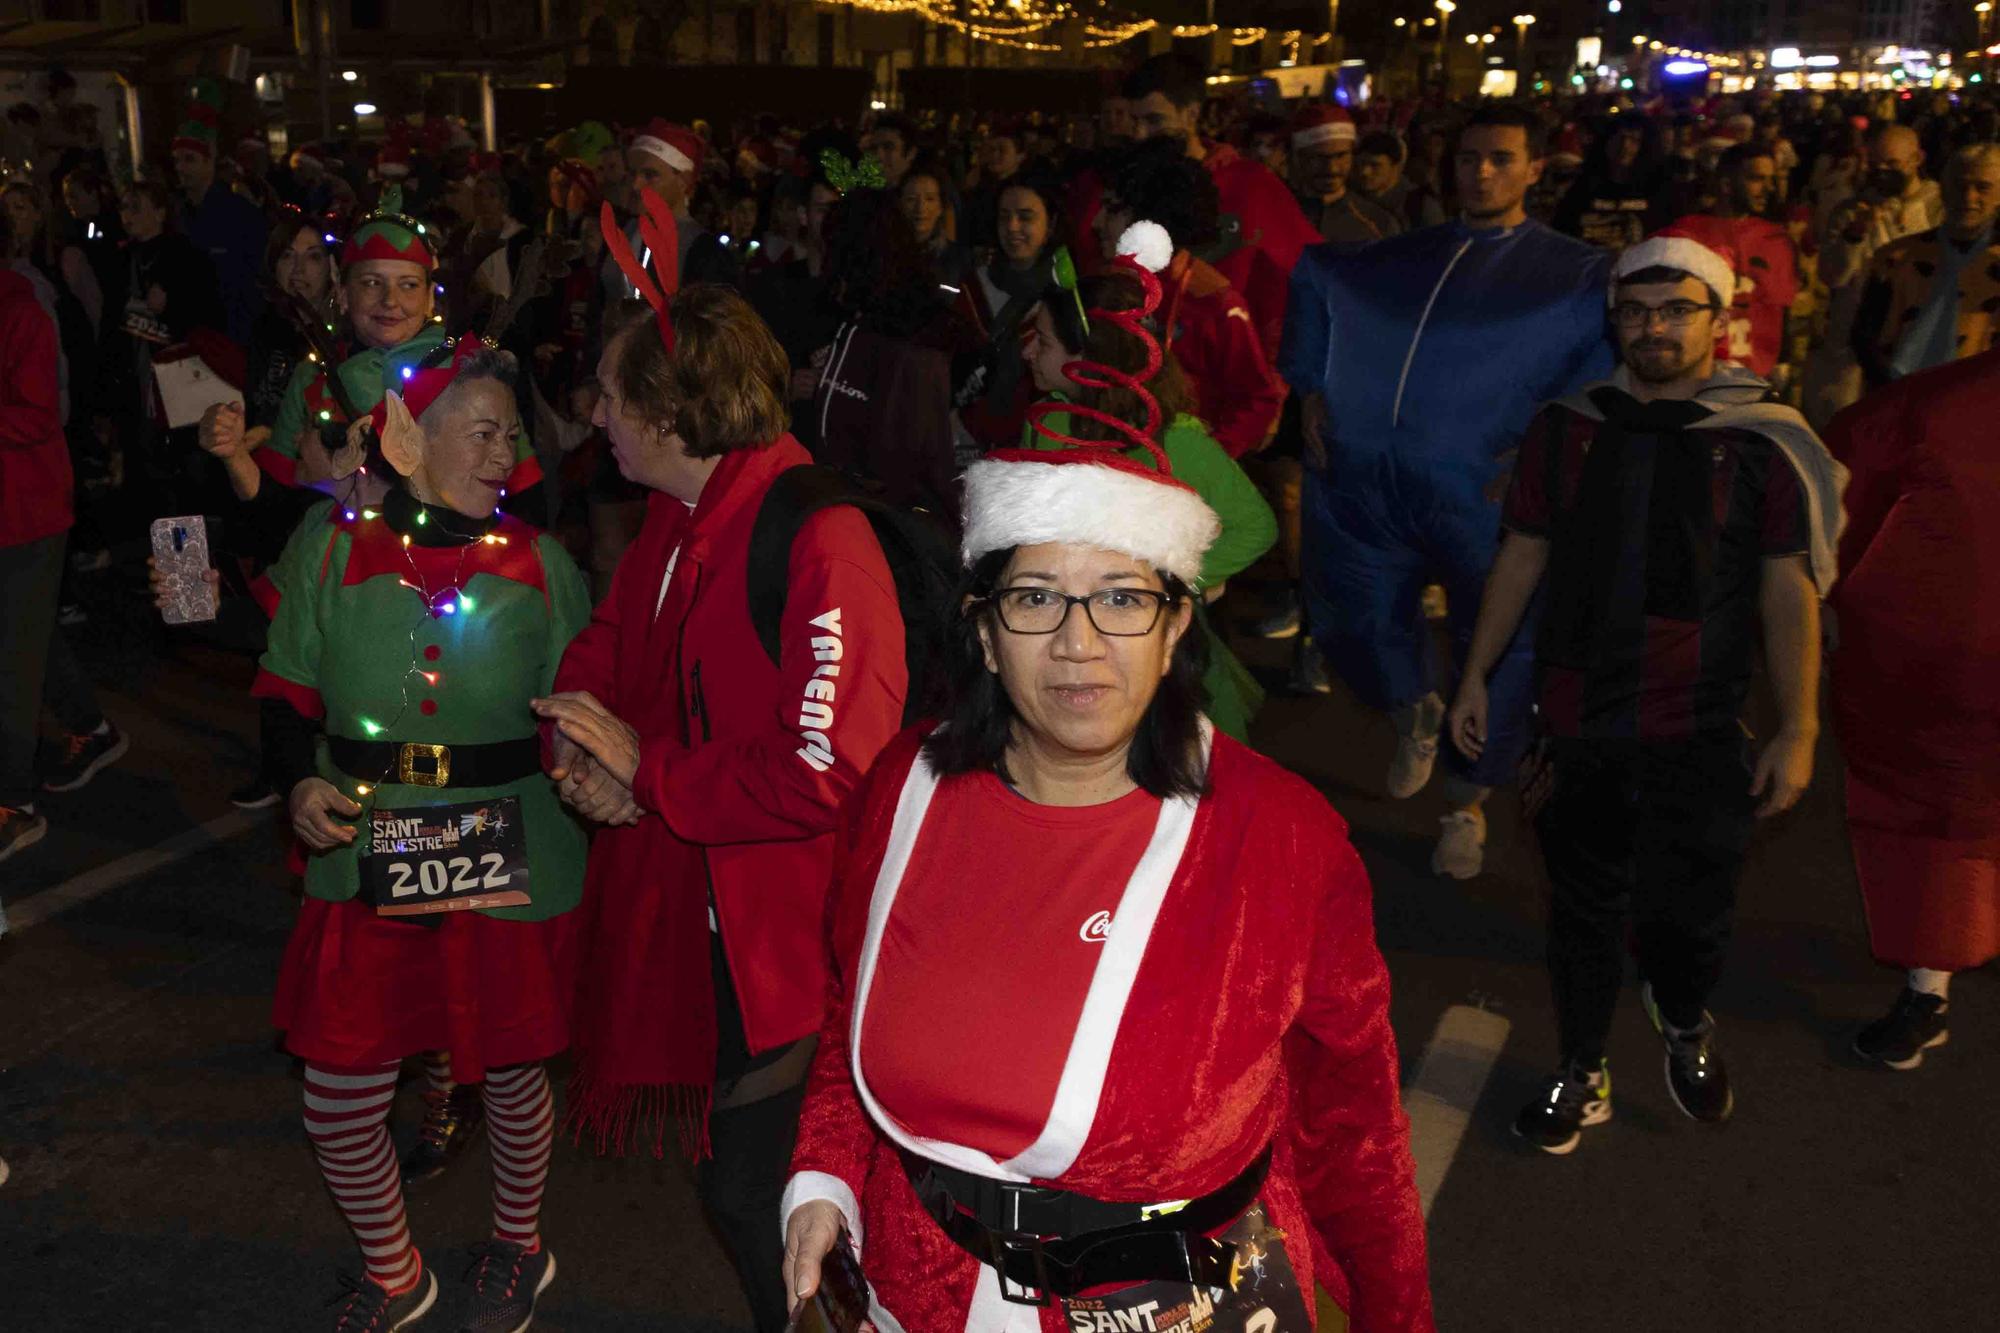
(180, 550)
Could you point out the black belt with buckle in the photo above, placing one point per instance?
(1053, 1244)
(419, 764)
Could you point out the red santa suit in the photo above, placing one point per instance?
(743, 767)
(1211, 332)
(1766, 264)
(1913, 681)
(1210, 1022)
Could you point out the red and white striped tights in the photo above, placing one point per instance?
(347, 1115)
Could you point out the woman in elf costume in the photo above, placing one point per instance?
(387, 269)
(407, 641)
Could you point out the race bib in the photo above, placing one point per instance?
(1266, 1297)
(445, 858)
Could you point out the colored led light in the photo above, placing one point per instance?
(371, 727)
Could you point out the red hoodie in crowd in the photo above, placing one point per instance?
(35, 477)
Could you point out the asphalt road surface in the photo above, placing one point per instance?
(160, 1180)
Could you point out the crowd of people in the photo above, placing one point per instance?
(906, 467)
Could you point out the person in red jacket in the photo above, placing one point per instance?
(717, 772)
(1263, 231)
(35, 518)
(1203, 320)
(1760, 251)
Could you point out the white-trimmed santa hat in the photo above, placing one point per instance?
(1087, 497)
(1682, 252)
(1318, 123)
(676, 145)
(1091, 493)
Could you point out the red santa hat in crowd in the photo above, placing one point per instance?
(1317, 123)
(1668, 250)
(1567, 150)
(1091, 494)
(676, 145)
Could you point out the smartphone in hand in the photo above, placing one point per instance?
(841, 1303)
(180, 553)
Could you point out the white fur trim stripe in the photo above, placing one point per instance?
(1681, 252)
(1333, 131)
(1027, 503)
(663, 150)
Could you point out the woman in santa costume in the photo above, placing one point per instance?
(1913, 686)
(389, 291)
(716, 760)
(1111, 1043)
(406, 643)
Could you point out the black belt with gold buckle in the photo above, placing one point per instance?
(426, 764)
(1051, 1244)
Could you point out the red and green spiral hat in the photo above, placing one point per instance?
(389, 236)
(200, 125)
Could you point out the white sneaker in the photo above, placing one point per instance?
(1461, 849)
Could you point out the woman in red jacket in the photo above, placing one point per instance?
(717, 770)
(1111, 1047)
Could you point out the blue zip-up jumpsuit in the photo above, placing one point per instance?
(1433, 351)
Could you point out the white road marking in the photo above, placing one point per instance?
(134, 865)
(1448, 1081)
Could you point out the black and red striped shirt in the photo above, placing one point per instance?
(1658, 536)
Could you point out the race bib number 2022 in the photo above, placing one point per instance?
(445, 858)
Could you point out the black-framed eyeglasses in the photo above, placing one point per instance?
(1120, 613)
(1676, 314)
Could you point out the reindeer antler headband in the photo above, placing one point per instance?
(660, 234)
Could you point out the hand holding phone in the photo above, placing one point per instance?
(837, 1300)
(180, 559)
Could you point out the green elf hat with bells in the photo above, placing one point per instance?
(197, 130)
(389, 236)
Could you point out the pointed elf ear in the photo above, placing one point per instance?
(402, 437)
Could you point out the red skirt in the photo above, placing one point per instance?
(356, 989)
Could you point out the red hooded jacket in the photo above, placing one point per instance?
(1269, 228)
(35, 476)
(743, 767)
(1208, 328)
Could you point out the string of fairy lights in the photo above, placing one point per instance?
(1017, 23)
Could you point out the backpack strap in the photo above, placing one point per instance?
(797, 494)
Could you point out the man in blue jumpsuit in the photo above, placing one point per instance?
(1419, 361)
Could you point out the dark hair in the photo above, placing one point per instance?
(899, 124)
(1112, 346)
(284, 231)
(1165, 757)
(1381, 143)
(929, 165)
(1180, 80)
(1741, 155)
(877, 272)
(155, 194)
(727, 384)
(1510, 115)
(1159, 182)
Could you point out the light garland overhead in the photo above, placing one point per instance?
(1011, 23)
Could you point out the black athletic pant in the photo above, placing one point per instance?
(743, 1182)
(1652, 832)
(37, 667)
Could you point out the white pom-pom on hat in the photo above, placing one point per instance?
(1148, 243)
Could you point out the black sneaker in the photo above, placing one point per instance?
(366, 1307)
(452, 1120)
(1574, 1096)
(1900, 1037)
(1283, 623)
(506, 1282)
(256, 794)
(20, 830)
(1696, 1076)
(79, 758)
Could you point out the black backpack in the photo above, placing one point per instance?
(922, 558)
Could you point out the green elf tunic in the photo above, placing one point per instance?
(355, 646)
(366, 374)
(1249, 529)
